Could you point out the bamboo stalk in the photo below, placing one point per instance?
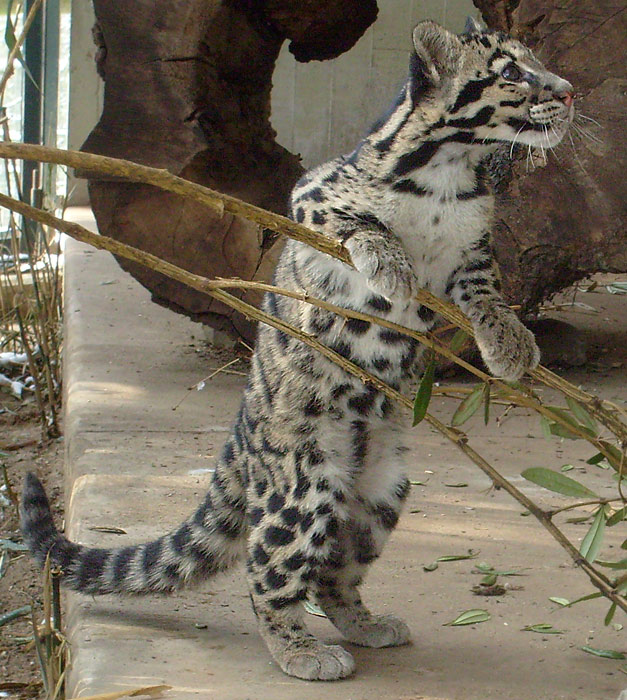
(459, 438)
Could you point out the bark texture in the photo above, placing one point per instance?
(562, 221)
(187, 88)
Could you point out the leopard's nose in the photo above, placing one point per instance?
(567, 97)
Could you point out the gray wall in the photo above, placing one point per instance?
(322, 109)
(319, 109)
(86, 90)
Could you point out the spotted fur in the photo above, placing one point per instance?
(312, 479)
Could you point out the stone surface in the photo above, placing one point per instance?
(134, 463)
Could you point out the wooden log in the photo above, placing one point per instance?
(187, 88)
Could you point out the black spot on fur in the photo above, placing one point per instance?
(302, 487)
(364, 547)
(313, 407)
(318, 218)
(278, 536)
(275, 502)
(381, 363)
(471, 92)
(379, 303)
(122, 562)
(152, 552)
(91, 566)
(260, 555)
(255, 516)
(274, 579)
(387, 516)
(318, 539)
(295, 562)
(340, 390)
(323, 485)
(290, 516)
(357, 326)
(300, 215)
(402, 489)
(410, 187)
(285, 601)
(425, 314)
(181, 538)
(306, 521)
(362, 403)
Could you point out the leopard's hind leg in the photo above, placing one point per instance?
(294, 520)
(380, 492)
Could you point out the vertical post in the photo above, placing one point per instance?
(52, 24)
(33, 86)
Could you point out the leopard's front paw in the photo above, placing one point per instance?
(507, 347)
(385, 265)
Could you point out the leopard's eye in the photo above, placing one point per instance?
(512, 73)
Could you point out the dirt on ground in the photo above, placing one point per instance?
(22, 449)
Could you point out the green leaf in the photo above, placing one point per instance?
(430, 567)
(468, 407)
(458, 341)
(542, 628)
(590, 596)
(622, 564)
(554, 481)
(486, 403)
(624, 545)
(470, 617)
(546, 427)
(484, 567)
(13, 546)
(563, 602)
(594, 537)
(458, 485)
(595, 459)
(458, 557)
(489, 580)
(423, 395)
(313, 609)
(582, 415)
(603, 653)
(615, 456)
(567, 468)
(610, 614)
(10, 40)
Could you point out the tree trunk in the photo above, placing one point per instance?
(561, 221)
(187, 88)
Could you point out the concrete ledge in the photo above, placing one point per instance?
(134, 463)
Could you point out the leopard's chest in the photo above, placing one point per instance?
(437, 230)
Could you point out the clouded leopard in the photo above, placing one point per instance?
(311, 480)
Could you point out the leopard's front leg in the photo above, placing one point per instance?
(507, 347)
(380, 257)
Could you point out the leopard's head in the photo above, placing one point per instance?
(491, 85)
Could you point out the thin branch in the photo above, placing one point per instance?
(8, 71)
(456, 436)
(221, 203)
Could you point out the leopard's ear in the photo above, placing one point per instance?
(437, 53)
(472, 26)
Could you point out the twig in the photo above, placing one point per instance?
(456, 436)
(220, 203)
(8, 71)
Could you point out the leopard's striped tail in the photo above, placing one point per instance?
(208, 542)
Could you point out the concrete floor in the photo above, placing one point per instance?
(135, 464)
